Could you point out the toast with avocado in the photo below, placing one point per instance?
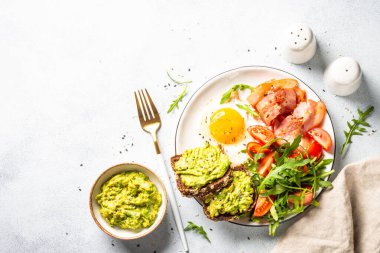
(202, 170)
(233, 200)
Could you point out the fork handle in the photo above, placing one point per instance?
(173, 203)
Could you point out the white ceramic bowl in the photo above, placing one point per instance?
(125, 234)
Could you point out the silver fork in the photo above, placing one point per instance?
(150, 122)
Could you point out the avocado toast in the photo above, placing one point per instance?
(201, 170)
(233, 200)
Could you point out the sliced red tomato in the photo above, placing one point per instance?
(254, 148)
(262, 206)
(322, 137)
(261, 133)
(311, 146)
(266, 164)
(308, 196)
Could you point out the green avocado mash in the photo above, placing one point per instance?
(236, 198)
(129, 200)
(202, 165)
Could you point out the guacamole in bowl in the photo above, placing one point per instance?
(129, 200)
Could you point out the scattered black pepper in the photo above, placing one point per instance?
(113, 245)
(81, 165)
(171, 229)
(309, 68)
(138, 245)
(154, 251)
(323, 90)
(249, 238)
(126, 149)
(67, 233)
(189, 70)
(275, 48)
(210, 229)
(120, 152)
(249, 50)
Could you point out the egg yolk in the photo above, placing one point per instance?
(226, 125)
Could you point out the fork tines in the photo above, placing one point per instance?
(144, 101)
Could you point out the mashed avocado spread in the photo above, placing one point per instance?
(236, 198)
(200, 166)
(129, 200)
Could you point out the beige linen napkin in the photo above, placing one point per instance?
(348, 218)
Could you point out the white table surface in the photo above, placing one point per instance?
(67, 74)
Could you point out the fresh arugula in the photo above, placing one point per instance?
(176, 81)
(176, 101)
(248, 109)
(357, 127)
(198, 229)
(227, 95)
(287, 176)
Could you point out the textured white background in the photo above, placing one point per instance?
(67, 72)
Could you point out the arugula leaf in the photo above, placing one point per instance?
(357, 127)
(198, 229)
(177, 100)
(227, 95)
(248, 109)
(288, 176)
(176, 81)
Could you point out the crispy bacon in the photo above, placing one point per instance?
(289, 128)
(276, 103)
(261, 90)
(311, 113)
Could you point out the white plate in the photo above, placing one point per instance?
(188, 126)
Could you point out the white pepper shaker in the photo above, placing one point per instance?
(343, 76)
(299, 44)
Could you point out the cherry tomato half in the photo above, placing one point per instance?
(322, 137)
(261, 133)
(262, 206)
(308, 197)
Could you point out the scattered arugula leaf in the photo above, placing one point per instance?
(227, 95)
(357, 127)
(176, 81)
(198, 229)
(177, 100)
(248, 109)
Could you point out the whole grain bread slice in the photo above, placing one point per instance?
(209, 188)
(230, 217)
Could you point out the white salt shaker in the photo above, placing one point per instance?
(299, 44)
(343, 76)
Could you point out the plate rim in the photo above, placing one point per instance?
(272, 68)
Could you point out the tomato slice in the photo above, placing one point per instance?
(311, 146)
(262, 206)
(308, 197)
(261, 133)
(254, 148)
(322, 137)
(266, 164)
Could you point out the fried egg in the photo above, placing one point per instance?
(226, 125)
